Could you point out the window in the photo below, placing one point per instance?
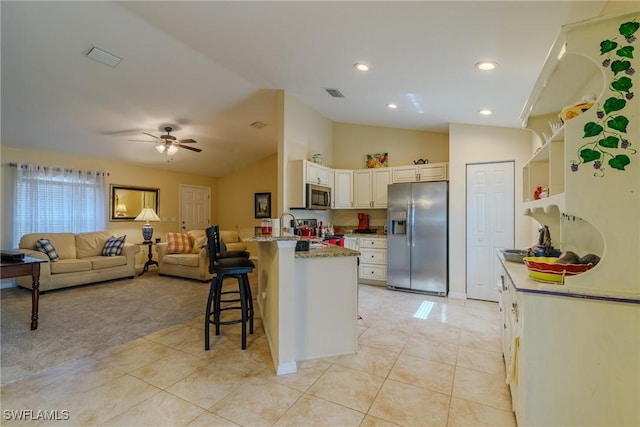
(55, 200)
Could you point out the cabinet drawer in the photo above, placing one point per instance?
(373, 256)
(372, 242)
(373, 272)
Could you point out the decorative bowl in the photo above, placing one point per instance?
(545, 269)
(514, 255)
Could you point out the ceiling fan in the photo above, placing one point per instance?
(168, 143)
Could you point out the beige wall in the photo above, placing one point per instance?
(352, 142)
(475, 144)
(119, 173)
(235, 201)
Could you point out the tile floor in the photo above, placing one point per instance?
(422, 361)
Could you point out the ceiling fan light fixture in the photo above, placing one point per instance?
(172, 149)
(160, 147)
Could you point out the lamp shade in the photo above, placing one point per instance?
(147, 215)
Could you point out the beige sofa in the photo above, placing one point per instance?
(80, 260)
(194, 265)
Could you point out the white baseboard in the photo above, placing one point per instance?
(287, 368)
(457, 295)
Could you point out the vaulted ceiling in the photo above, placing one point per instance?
(211, 68)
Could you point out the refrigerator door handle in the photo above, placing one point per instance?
(406, 224)
(413, 223)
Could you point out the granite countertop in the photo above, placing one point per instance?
(519, 275)
(326, 251)
(378, 235)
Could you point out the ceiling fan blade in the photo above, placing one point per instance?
(142, 140)
(187, 141)
(186, 147)
(152, 136)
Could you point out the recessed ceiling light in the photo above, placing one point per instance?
(392, 106)
(361, 67)
(485, 112)
(486, 65)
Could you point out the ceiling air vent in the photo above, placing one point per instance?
(258, 125)
(335, 93)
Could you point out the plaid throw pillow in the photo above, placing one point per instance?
(44, 245)
(113, 247)
(178, 243)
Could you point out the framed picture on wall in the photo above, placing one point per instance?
(262, 205)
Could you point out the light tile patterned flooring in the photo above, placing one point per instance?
(422, 361)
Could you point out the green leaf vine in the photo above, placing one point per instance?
(606, 138)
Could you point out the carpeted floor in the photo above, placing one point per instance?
(80, 321)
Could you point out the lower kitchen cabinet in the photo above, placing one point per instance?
(373, 260)
(570, 359)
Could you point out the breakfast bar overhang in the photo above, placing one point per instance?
(308, 300)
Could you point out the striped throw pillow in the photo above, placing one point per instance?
(178, 243)
(45, 245)
(113, 246)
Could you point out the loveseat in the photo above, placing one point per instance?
(80, 259)
(185, 255)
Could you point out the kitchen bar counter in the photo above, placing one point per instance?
(307, 300)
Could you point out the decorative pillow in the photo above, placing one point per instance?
(199, 242)
(44, 245)
(178, 243)
(113, 247)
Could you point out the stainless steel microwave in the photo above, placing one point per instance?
(318, 197)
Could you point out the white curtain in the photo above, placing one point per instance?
(56, 200)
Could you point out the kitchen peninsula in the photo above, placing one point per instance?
(308, 300)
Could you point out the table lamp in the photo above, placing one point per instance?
(147, 215)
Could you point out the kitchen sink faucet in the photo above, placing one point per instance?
(295, 221)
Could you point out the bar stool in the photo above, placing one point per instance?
(232, 267)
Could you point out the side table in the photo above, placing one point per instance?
(150, 261)
(27, 267)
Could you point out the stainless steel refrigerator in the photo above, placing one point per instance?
(418, 237)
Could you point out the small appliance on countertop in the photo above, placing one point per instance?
(363, 221)
(306, 227)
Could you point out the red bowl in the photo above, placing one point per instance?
(547, 270)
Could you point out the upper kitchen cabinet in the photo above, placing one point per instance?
(342, 195)
(317, 174)
(584, 179)
(302, 172)
(370, 188)
(419, 173)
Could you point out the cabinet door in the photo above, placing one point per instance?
(404, 174)
(380, 180)
(313, 171)
(351, 243)
(324, 175)
(342, 189)
(432, 172)
(362, 189)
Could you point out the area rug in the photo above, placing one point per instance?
(77, 322)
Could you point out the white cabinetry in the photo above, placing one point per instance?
(419, 173)
(588, 163)
(574, 355)
(342, 195)
(373, 260)
(317, 174)
(352, 243)
(370, 188)
(572, 350)
(301, 173)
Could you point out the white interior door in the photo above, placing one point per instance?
(490, 225)
(195, 207)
